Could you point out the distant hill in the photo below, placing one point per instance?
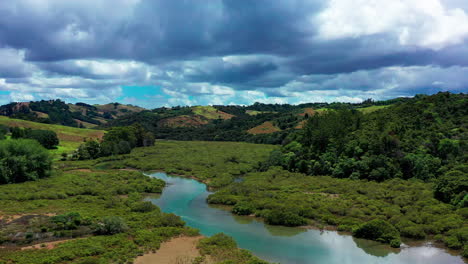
(260, 123)
(74, 115)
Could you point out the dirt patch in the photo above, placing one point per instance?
(308, 111)
(301, 124)
(183, 121)
(10, 218)
(265, 128)
(176, 251)
(7, 219)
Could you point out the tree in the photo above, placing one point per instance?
(48, 139)
(23, 160)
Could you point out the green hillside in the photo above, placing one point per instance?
(70, 137)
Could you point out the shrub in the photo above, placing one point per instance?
(379, 230)
(282, 217)
(23, 160)
(143, 207)
(111, 225)
(242, 209)
(221, 240)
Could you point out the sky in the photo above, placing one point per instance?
(157, 53)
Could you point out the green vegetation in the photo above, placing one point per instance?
(118, 140)
(233, 122)
(215, 163)
(70, 137)
(58, 112)
(48, 139)
(210, 112)
(421, 138)
(223, 249)
(104, 208)
(287, 198)
(23, 160)
(86, 203)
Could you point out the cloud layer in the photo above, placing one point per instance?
(222, 52)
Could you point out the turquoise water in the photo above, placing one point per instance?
(287, 245)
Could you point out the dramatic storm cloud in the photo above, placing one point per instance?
(155, 53)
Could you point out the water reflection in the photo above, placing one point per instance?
(374, 248)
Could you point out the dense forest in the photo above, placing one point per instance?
(423, 138)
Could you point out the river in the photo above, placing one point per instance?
(287, 245)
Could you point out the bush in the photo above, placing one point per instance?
(282, 217)
(111, 225)
(242, 209)
(23, 160)
(221, 240)
(143, 207)
(67, 221)
(379, 230)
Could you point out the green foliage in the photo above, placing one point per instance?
(23, 160)
(67, 221)
(379, 230)
(86, 201)
(48, 139)
(118, 140)
(216, 163)
(223, 249)
(277, 196)
(452, 187)
(242, 208)
(284, 217)
(111, 225)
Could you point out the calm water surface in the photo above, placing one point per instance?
(287, 245)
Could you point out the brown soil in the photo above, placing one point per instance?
(183, 121)
(223, 115)
(265, 128)
(300, 125)
(178, 250)
(309, 111)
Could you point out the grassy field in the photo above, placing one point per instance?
(370, 109)
(255, 112)
(70, 137)
(210, 112)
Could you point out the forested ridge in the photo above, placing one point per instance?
(424, 138)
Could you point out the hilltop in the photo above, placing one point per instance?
(74, 115)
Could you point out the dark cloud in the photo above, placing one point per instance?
(278, 48)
